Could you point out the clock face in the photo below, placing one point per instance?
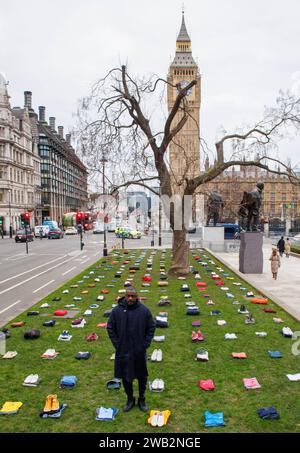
(184, 83)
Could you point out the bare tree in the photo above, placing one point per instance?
(116, 121)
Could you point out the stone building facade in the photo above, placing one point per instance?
(20, 178)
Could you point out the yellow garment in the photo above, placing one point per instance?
(166, 415)
(230, 278)
(9, 406)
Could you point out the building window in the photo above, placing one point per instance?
(44, 151)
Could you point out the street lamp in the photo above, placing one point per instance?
(9, 208)
(103, 161)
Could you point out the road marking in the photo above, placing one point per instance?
(96, 254)
(84, 256)
(34, 276)
(74, 253)
(82, 262)
(65, 273)
(7, 308)
(30, 270)
(36, 290)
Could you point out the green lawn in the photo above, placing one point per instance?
(179, 369)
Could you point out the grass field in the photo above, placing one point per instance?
(179, 369)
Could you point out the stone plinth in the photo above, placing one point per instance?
(251, 254)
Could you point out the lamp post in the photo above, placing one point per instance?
(103, 161)
(9, 208)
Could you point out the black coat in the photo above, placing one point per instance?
(130, 330)
(280, 245)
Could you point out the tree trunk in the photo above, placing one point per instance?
(180, 259)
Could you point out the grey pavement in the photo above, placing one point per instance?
(285, 291)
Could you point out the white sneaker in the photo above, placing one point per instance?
(287, 332)
(45, 305)
(261, 334)
(154, 355)
(154, 419)
(230, 336)
(221, 322)
(159, 355)
(202, 355)
(159, 338)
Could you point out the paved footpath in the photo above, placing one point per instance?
(285, 291)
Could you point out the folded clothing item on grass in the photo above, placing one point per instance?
(269, 413)
(251, 383)
(10, 355)
(275, 354)
(83, 355)
(206, 384)
(50, 354)
(68, 381)
(239, 355)
(106, 414)
(293, 377)
(216, 419)
(158, 418)
(32, 334)
(10, 407)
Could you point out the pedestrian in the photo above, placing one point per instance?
(131, 328)
(280, 245)
(275, 262)
(287, 248)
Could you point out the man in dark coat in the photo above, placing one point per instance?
(131, 329)
(281, 245)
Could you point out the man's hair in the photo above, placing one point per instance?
(131, 289)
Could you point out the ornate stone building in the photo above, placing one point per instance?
(20, 178)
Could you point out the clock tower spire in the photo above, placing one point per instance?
(184, 151)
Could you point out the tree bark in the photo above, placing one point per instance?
(180, 260)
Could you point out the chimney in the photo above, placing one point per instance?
(68, 139)
(61, 131)
(42, 112)
(27, 99)
(52, 123)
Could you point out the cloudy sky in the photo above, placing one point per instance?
(246, 52)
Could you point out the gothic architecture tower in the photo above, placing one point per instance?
(184, 151)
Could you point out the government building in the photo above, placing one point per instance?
(281, 199)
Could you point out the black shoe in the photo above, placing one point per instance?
(142, 405)
(129, 405)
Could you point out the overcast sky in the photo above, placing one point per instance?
(246, 51)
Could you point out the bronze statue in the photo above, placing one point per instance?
(250, 208)
(215, 207)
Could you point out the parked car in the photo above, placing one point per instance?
(37, 230)
(128, 232)
(295, 238)
(22, 236)
(55, 233)
(71, 230)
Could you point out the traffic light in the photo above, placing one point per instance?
(79, 217)
(1, 221)
(25, 219)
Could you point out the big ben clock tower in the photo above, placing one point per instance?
(184, 151)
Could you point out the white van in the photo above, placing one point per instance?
(37, 230)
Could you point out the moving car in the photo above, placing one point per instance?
(71, 230)
(21, 236)
(128, 232)
(55, 233)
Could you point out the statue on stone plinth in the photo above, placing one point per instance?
(250, 208)
(215, 207)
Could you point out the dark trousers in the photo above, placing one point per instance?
(128, 386)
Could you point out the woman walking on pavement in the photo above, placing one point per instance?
(287, 248)
(275, 262)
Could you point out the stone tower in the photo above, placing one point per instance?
(184, 151)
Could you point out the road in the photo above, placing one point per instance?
(25, 279)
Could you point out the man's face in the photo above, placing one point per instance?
(130, 297)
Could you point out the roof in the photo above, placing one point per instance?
(183, 34)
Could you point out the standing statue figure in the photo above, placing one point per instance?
(250, 208)
(215, 207)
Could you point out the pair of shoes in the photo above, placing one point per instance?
(202, 355)
(92, 337)
(129, 405)
(249, 319)
(156, 355)
(197, 336)
(243, 310)
(65, 336)
(51, 403)
(157, 385)
(157, 419)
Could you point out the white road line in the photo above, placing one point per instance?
(65, 273)
(33, 269)
(49, 283)
(96, 253)
(34, 276)
(7, 308)
(85, 256)
(82, 262)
